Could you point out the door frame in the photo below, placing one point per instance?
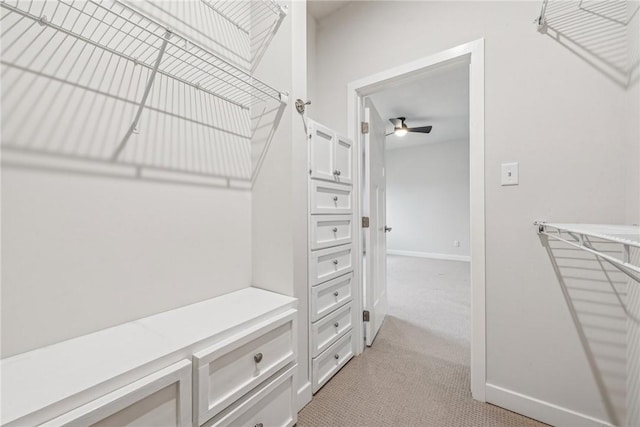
(473, 54)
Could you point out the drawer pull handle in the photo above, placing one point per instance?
(337, 356)
(335, 229)
(335, 198)
(335, 262)
(336, 172)
(336, 293)
(259, 425)
(336, 324)
(258, 357)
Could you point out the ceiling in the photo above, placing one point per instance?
(322, 8)
(439, 98)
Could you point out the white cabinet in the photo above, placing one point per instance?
(330, 362)
(330, 155)
(225, 361)
(270, 406)
(343, 162)
(160, 399)
(331, 258)
(330, 198)
(330, 230)
(324, 332)
(231, 368)
(330, 295)
(326, 264)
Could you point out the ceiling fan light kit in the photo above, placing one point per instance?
(401, 129)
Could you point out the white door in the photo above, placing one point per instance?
(375, 207)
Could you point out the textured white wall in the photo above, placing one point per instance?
(428, 198)
(548, 106)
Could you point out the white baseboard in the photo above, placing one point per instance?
(304, 396)
(539, 410)
(447, 257)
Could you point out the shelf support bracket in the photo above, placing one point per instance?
(134, 126)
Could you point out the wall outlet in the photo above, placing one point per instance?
(456, 243)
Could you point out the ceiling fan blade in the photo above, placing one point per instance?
(421, 129)
(387, 134)
(396, 122)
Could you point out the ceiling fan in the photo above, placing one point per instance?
(401, 129)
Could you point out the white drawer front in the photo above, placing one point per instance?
(271, 406)
(329, 198)
(330, 295)
(329, 362)
(327, 264)
(330, 230)
(326, 331)
(231, 368)
(160, 399)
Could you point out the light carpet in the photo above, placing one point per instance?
(417, 371)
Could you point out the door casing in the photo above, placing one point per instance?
(473, 54)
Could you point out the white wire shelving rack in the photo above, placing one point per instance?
(582, 236)
(258, 20)
(109, 50)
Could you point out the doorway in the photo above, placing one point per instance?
(368, 274)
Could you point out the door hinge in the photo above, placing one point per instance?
(365, 222)
(365, 315)
(364, 127)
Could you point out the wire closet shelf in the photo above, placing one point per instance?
(139, 68)
(583, 237)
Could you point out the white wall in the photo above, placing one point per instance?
(428, 199)
(311, 58)
(81, 253)
(560, 117)
(633, 215)
(279, 209)
(89, 247)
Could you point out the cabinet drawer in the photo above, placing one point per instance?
(330, 362)
(162, 398)
(327, 264)
(329, 198)
(330, 295)
(228, 370)
(325, 331)
(270, 406)
(330, 230)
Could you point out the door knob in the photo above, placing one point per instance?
(387, 229)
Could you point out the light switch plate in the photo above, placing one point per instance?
(509, 175)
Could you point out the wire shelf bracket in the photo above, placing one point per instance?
(579, 236)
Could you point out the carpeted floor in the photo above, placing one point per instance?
(417, 371)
